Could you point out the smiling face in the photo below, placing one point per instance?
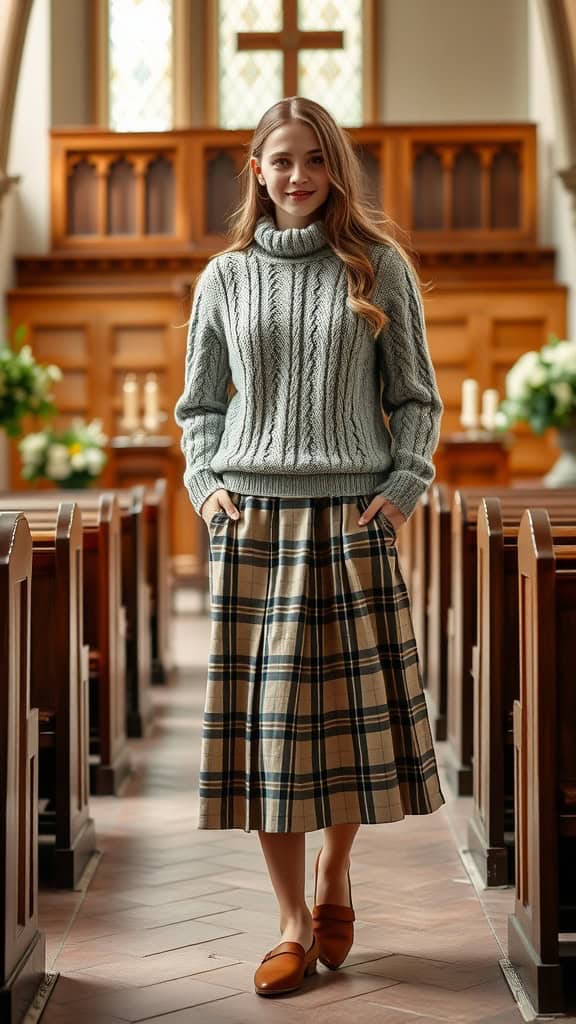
(292, 162)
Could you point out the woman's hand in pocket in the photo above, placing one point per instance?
(218, 501)
(393, 514)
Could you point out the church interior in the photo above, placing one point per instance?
(124, 126)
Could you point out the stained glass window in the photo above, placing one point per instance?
(333, 77)
(140, 65)
(250, 81)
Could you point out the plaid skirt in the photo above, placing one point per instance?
(314, 712)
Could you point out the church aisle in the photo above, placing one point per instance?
(176, 919)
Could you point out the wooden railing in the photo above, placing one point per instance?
(457, 186)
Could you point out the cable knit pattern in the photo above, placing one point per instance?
(311, 382)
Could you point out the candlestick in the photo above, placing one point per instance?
(469, 412)
(151, 408)
(490, 403)
(130, 414)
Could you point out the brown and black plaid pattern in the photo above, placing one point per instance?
(314, 713)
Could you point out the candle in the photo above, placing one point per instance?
(490, 403)
(151, 408)
(130, 417)
(469, 413)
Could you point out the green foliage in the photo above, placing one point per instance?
(25, 385)
(541, 388)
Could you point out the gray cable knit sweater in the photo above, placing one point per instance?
(311, 381)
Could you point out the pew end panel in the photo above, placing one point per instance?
(545, 763)
(461, 630)
(105, 623)
(418, 583)
(22, 944)
(495, 685)
(437, 608)
(136, 597)
(59, 689)
(157, 537)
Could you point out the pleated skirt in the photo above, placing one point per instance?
(314, 712)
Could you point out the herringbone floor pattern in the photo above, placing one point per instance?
(176, 919)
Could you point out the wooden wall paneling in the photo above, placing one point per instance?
(390, 186)
(183, 193)
(58, 191)
(159, 197)
(494, 293)
(123, 213)
(447, 333)
(466, 196)
(99, 332)
(115, 333)
(438, 170)
(480, 333)
(196, 190)
(439, 146)
(101, 151)
(221, 164)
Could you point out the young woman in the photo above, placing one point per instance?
(314, 716)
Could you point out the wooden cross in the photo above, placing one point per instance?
(290, 40)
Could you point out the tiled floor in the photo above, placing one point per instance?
(176, 919)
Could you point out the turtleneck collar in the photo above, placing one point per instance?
(291, 243)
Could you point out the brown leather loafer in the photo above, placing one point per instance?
(284, 968)
(333, 926)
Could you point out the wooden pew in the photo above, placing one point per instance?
(462, 616)
(437, 604)
(136, 599)
(135, 591)
(495, 672)
(59, 689)
(157, 557)
(22, 945)
(419, 578)
(545, 763)
(104, 630)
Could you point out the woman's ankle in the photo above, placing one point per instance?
(296, 918)
(333, 865)
(298, 929)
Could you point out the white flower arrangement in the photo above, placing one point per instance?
(25, 385)
(541, 388)
(71, 458)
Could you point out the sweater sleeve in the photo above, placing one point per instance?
(410, 395)
(200, 411)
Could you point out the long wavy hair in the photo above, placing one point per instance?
(351, 221)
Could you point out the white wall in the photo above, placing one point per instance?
(453, 60)
(29, 155)
(556, 212)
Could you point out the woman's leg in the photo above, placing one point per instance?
(284, 853)
(333, 864)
